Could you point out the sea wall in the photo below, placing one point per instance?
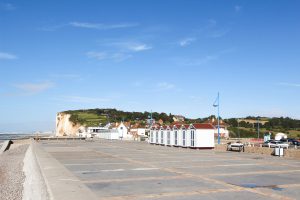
(64, 127)
(34, 186)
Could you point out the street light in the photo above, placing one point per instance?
(217, 104)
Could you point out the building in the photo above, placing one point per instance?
(110, 131)
(224, 133)
(188, 136)
(178, 118)
(160, 121)
(139, 132)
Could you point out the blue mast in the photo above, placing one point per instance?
(217, 104)
(218, 118)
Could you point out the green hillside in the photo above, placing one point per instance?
(92, 117)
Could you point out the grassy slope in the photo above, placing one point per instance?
(87, 118)
(92, 119)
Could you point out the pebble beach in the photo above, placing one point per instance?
(11, 171)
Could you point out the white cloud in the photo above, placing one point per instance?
(33, 88)
(165, 86)
(138, 47)
(102, 26)
(237, 8)
(289, 84)
(97, 55)
(186, 41)
(7, 56)
(128, 46)
(82, 99)
(118, 57)
(7, 6)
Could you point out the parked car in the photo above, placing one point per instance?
(296, 142)
(275, 143)
(293, 141)
(237, 146)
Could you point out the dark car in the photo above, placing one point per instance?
(293, 141)
(296, 142)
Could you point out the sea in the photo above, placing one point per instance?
(15, 136)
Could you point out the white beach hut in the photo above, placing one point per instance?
(152, 133)
(161, 136)
(184, 135)
(176, 135)
(201, 136)
(167, 135)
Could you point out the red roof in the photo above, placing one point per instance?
(203, 126)
(186, 126)
(177, 123)
(178, 126)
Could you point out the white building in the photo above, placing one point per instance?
(117, 131)
(139, 131)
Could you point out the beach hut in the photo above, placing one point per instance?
(152, 133)
(167, 135)
(201, 136)
(184, 135)
(176, 135)
(161, 136)
(156, 135)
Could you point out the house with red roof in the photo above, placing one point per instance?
(224, 133)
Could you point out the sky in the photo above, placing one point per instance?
(165, 56)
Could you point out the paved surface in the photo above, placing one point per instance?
(131, 170)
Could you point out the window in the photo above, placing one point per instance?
(156, 137)
(175, 137)
(192, 138)
(168, 137)
(161, 137)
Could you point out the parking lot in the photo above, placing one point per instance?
(137, 170)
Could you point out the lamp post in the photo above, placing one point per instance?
(217, 104)
(257, 128)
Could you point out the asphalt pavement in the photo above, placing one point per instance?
(119, 170)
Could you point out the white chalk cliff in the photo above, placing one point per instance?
(64, 127)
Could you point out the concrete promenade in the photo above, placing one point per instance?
(119, 170)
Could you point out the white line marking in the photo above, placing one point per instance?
(233, 165)
(144, 169)
(77, 164)
(112, 170)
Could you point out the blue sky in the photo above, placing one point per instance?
(168, 56)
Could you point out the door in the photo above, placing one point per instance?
(192, 138)
(183, 138)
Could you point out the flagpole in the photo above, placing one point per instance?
(218, 118)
